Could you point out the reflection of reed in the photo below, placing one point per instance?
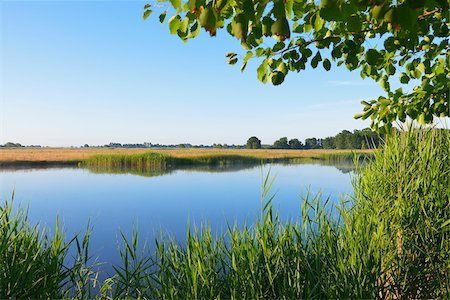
(155, 164)
(343, 166)
(128, 170)
(168, 170)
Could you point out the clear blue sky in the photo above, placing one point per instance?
(94, 72)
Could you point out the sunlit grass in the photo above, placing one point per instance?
(78, 155)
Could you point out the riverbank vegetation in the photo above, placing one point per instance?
(158, 161)
(391, 241)
(49, 156)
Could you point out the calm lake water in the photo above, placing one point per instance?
(166, 203)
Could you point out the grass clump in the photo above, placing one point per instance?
(134, 161)
(33, 262)
(154, 164)
(142, 163)
(406, 193)
(391, 241)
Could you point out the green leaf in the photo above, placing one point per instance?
(195, 30)
(244, 65)
(318, 23)
(326, 64)
(422, 67)
(162, 17)
(336, 52)
(248, 55)
(232, 60)
(373, 57)
(390, 70)
(283, 68)
(259, 52)
(389, 44)
(385, 84)
(404, 78)
(184, 26)
(288, 4)
(174, 24)
(331, 13)
(406, 17)
(315, 60)
(278, 46)
(277, 78)
(240, 26)
(176, 4)
(378, 11)
(446, 223)
(262, 71)
(354, 24)
(147, 13)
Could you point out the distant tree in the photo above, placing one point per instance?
(328, 143)
(343, 139)
(295, 144)
(253, 143)
(12, 145)
(282, 143)
(86, 146)
(312, 143)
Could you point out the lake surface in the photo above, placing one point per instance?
(165, 203)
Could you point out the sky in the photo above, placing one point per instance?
(77, 72)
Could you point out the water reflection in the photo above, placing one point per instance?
(192, 195)
(344, 166)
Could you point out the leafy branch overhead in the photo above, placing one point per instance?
(381, 39)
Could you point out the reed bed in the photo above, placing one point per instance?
(52, 155)
(34, 263)
(390, 242)
(147, 162)
(140, 161)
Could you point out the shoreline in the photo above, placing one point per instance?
(67, 157)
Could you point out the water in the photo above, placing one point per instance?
(164, 204)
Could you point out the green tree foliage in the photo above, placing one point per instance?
(295, 144)
(379, 38)
(328, 143)
(281, 143)
(344, 140)
(253, 143)
(358, 139)
(313, 143)
(11, 145)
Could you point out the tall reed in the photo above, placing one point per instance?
(405, 196)
(142, 162)
(34, 263)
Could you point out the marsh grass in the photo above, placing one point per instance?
(33, 262)
(150, 163)
(42, 156)
(390, 242)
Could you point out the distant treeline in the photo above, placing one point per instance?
(358, 139)
(185, 145)
(17, 145)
